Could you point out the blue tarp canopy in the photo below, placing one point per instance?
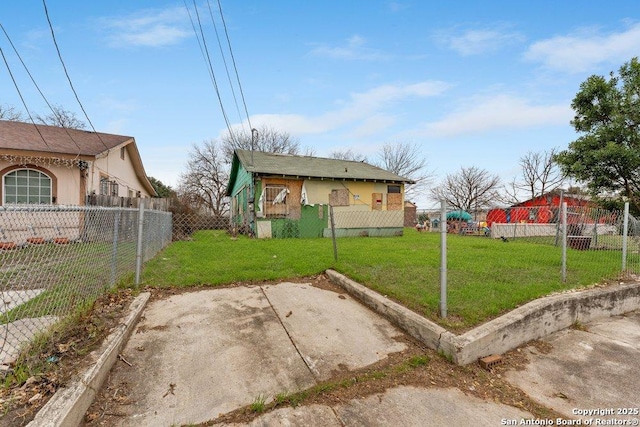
(459, 215)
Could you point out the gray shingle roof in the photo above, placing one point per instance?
(313, 167)
(25, 136)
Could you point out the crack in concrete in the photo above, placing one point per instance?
(304, 360)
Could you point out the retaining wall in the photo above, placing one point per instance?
(531, 321)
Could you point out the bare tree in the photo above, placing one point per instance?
(204, 183)
(408, 161)
(540, 175)
(263, 139)
(8, 112)
(62, 118)
(348, 155)
(469, 189)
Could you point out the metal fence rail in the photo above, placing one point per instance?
(54, 258)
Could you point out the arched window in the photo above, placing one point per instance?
(26, 186)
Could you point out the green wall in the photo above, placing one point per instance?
(312, 223)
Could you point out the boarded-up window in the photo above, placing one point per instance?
(339, 197)
(275, 201)
(376, 201)
(394, 202)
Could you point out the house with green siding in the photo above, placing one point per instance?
(283, 195)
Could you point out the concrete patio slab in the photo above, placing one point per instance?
(331, 331)
(425, 407)
(399, 406)
(593, 369)
(197, 355)
(16, 334)
(11, 299)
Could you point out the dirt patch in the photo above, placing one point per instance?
(37, 375)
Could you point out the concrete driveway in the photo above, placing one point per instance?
(590, 373)
(198, 355)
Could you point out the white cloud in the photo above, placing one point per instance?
(354, 49)
(154, 28)
(361, 110)
(396, 6)
(373, 125)
(478, 41)
(498, 113)
(585, 49)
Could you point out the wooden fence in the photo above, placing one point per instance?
(158, 204)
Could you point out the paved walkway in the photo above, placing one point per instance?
(594, 368)
(195, 356)
(198, 355)
(15, 334)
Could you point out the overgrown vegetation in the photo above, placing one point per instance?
(51, 358)
(486, 277)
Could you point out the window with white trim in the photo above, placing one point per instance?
(27, 186)
(108, 188)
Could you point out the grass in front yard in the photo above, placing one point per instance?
(486, 277)
(214, 258)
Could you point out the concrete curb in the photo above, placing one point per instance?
(68, 405)
(533, 320)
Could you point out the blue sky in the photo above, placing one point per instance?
(472, 83)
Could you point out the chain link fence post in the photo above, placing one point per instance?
(443, 259)
(139, 246)
(625, 234)
(333, 233)
(563, 225)
(114, 249)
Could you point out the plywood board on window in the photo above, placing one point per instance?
(376, 201)
(339, 197)
(394, 202)
(292, 208)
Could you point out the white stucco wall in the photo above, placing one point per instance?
(118, 169)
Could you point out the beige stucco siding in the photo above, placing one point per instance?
(66, 185)
(118, 169)
(360, 193)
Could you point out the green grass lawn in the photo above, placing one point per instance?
(486, 277)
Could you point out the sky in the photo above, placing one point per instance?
(472, 83)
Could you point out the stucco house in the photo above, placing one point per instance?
(53, 165)
(281, 195)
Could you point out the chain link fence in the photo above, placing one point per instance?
(53, 259)
(582, 235)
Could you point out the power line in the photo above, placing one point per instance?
(53, 36)
(22, 98)
(233, 59)
(36, 85)
(226, 67)
(212, 73)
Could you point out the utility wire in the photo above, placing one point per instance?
(212, 73)
(22, 99)
(233, 59)
(36, 85)
(53, 36)
(226, 67)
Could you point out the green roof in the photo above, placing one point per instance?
(288, 165)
